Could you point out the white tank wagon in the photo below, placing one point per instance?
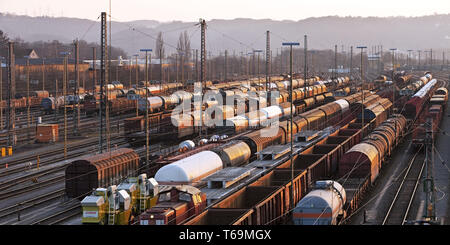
(186, 145)
(189, 170)
(322, 206)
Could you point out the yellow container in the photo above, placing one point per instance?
(9, 150)
(3, 151)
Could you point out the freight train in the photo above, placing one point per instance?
(266, 198)
(415, 105)
(20, 100)
(327, 204)
(415, 86)
(232, 154)
(186, 125)
(190, 170)
(435, 110)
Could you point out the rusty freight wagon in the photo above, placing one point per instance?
(110, 168)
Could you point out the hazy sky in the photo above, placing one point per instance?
(192, 10)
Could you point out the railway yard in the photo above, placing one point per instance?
(243, 178)
(338, 148)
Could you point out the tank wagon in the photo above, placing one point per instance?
(185, 125)
(322, 205)
(414, 106)
(415, 86)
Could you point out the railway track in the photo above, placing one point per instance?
(400, 206)
(44, 158)
(86, 123)
(37, 186)
(30, 203)
(59, 216)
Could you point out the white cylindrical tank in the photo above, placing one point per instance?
(154, 102)
(345, 106)
(190, 170)
(272, 111)
(322, 205)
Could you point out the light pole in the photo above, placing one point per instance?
(408, 63)
(362, 88)
(419, 51)
(28, 96)
(147, 138)
(66, 54)
(393, 80)
(248, 65)
(259, 79)
(291, 100)
(43, 74)
(137, 81)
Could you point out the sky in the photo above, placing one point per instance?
(192, 10)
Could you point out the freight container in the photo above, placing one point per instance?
(46, 133)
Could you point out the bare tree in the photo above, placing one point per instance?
(160, 51)
(187, 45)
(184, 44)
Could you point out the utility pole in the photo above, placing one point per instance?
(281, 60)
(431, 60)
(28, 97)
(202, 68)
(259, 78)
(56, 96)
(393, 79)
(65, 78)
(226, 65)
(137, 82)
(176, 67)
(268, 55)
(241, 65)
(147, 127)
(161, 77)
(11, 111)
(351, 61)
(362, 88)
(130, 65)
(409, 59)
(76, 115)
(182, 68)
(335, 62)
(94, 72)
(419, 56)
(43, 74)
(103, 74)
(291, 203)
(305, 69)
(196, 65)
